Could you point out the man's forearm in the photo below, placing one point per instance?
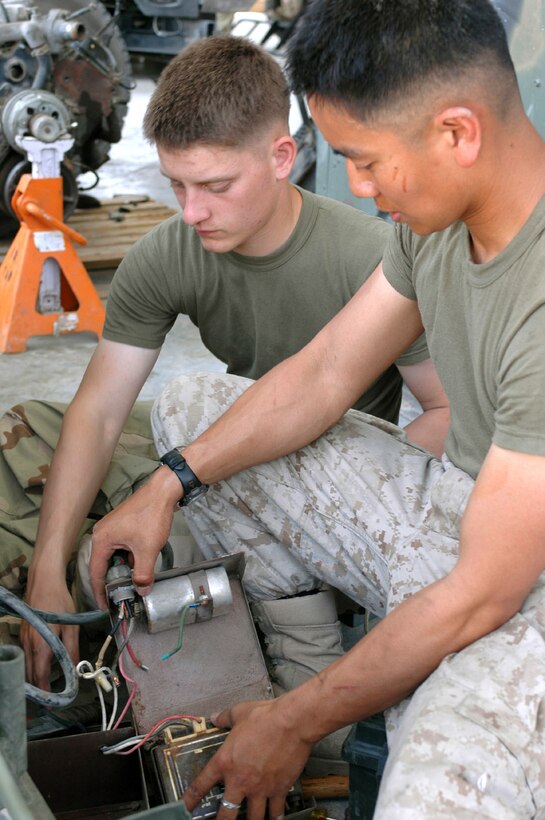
(299, 399)
(500, 558)
(429, 430)
(77, 469)
(286, 409)
(390, 662)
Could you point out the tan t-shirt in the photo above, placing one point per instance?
(485, 326)
(253, 312)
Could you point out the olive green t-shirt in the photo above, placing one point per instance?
(485, 327)
(253, 312)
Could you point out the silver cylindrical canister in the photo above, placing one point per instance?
(206, 592)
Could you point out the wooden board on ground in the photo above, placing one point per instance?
(111, 229)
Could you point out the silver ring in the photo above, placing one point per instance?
(228, 805)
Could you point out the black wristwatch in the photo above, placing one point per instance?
(193, 488)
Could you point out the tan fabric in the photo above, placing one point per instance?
(363, 510)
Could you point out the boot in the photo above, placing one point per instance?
(302, 636)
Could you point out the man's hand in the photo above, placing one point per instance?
(51, 598)
(260, 760)
(140, 526)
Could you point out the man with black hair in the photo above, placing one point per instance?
(259, 265)
(421, 98)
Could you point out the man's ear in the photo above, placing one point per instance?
(460, 129)
(284, 153)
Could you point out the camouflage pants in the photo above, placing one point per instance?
(377, 518)
(28, 436)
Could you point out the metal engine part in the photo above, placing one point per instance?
(37, 113)
(207, 592)
(61, 70)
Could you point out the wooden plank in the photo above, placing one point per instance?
(110, 238)
(126, 232)
(330, 787)
(106, 213)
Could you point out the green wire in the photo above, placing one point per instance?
(183, 615)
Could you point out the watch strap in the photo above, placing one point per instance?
(193, 487)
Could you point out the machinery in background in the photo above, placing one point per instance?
(61, 61)
(155, 30)
(44, 287)
(162, 28)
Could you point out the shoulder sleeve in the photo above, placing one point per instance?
(144, 298)
(519, 422)
(417, 352)
(398, 261)
(398, 270)
(361, 255)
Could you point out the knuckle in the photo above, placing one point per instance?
(193, 791)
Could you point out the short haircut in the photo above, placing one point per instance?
(221, 90)
(375, 57)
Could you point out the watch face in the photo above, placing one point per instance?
(193, 494)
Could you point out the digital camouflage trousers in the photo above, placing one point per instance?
(378, 518)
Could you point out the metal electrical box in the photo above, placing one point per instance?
(220, 664)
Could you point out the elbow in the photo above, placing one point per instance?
(476, 611)
(488, 616)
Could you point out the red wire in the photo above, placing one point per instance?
(154, 729)
(131, 696)
(128, 646)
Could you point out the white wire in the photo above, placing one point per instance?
(123, 744)
(102, 705)
(92, 674)
(114, 710)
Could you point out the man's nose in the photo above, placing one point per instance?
(361, 182)
(194, 209)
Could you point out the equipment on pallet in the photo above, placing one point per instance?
(71, 50)
(44, 287)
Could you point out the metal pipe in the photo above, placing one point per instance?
(18, 794)
(33, 35)
(11, 798)
(12, 707)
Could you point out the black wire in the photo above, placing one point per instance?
(87, 170)
(69, 693)
(123, 644)
(115, 627)
(63, 618)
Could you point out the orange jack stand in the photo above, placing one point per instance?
(44, 240)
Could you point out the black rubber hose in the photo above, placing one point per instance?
(65, 618)
(54, 699)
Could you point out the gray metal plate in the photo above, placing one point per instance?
(220, 664)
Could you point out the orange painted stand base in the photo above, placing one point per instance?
(43, 236)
